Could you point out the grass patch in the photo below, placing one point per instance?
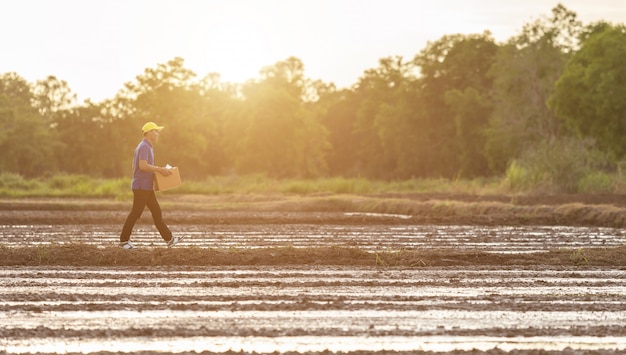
(65, 185)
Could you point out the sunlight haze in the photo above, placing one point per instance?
(97, 46)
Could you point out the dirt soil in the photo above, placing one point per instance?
(422, 208)
(67, 294)
(375, 210)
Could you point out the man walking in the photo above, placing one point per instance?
(143, 191)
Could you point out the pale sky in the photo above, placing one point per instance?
(98, 45)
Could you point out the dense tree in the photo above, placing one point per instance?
(376, 91)
(52, 96)
(464, 106)
(271, 131)
(472, 109)
(28, 143)
(455, 85)
(339, 117)
(524, 74)
(589, 96)
(79, 129)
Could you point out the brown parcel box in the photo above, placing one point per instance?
(162, 183)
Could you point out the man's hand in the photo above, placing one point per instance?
(165, 171)
(143, 165)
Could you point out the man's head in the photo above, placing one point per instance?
(151, 131)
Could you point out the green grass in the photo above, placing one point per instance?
(65, 185)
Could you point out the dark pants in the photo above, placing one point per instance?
(141, 199)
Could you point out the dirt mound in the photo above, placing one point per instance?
(415, 208)
(90, 255)
(380, 210)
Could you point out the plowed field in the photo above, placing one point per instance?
(307, 282)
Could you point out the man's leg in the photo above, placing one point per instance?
(157, 217)
(140, 198)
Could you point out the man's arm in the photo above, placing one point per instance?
(144, 166)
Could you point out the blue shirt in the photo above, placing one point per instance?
(142, 180)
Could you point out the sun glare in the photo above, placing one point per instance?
(100, 45)
(234, 49)
(230, 39)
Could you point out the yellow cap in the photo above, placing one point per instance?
(150, 126)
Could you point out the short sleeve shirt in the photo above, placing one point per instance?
(142, 180)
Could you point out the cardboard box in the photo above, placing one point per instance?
(162, 183)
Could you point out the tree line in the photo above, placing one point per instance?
(548, 102)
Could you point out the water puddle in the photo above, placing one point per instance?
(310, 309)
(318, 344)
(496, 239)
(314, 308)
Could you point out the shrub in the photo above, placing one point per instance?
(113, 188)
(597, 182)
(69, 182)
(15, 181)
(516, 177)
(556, 165)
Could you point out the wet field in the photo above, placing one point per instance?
(310, 309)
(304, 309)
(371, 237)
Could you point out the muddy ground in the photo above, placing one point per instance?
(63, 226)
(421, 208)
(392, 274)
(312, 310)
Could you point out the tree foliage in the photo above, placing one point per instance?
(272, 132)
(376, 92)
(463, 106)
(589, 96)
(27, 142)
(524, 73)
(455, 84)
